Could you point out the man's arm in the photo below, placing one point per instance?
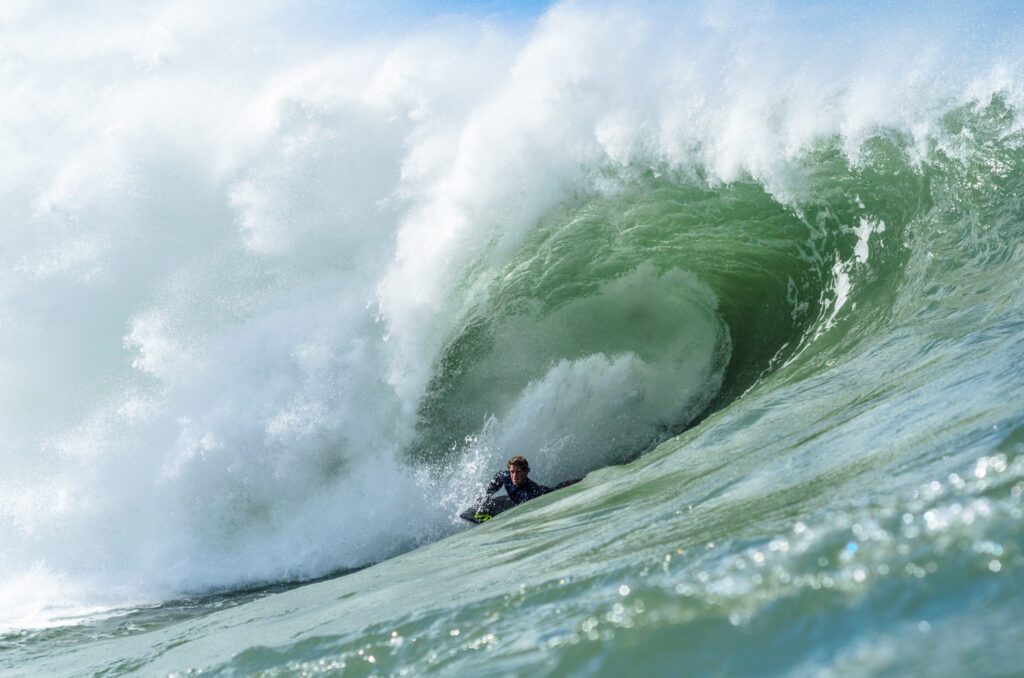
(497, 482)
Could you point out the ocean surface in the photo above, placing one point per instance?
(282, 285)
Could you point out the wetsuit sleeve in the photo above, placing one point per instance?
(496, 484)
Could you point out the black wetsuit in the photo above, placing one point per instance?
(519, 494)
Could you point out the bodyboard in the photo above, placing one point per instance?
(496, 504)
(486, 510)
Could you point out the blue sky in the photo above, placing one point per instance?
(502, 7)
(361, 18)
(357, 17)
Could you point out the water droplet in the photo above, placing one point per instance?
(623, 590)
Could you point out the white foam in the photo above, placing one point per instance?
(232, 252)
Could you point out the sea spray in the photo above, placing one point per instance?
(255, 288)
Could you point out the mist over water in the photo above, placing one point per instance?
(279, 293)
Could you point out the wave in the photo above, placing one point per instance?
(276, 308)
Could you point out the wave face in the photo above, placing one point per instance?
(282, 288)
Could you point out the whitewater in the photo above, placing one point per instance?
(282, 285)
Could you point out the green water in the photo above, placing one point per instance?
(757, 273)
(849, 504)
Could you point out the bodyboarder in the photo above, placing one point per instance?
(516, 482)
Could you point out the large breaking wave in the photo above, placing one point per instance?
(274, 307)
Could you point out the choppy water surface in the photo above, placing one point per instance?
(268, 327)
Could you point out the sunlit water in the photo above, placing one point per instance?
(280, 294)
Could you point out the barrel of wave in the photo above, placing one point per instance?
(589, 382)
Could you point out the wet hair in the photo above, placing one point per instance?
(520, 463)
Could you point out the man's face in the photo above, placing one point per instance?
(518, 475)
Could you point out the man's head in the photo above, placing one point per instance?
(519, 468)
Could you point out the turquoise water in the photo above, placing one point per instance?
(268, 327)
